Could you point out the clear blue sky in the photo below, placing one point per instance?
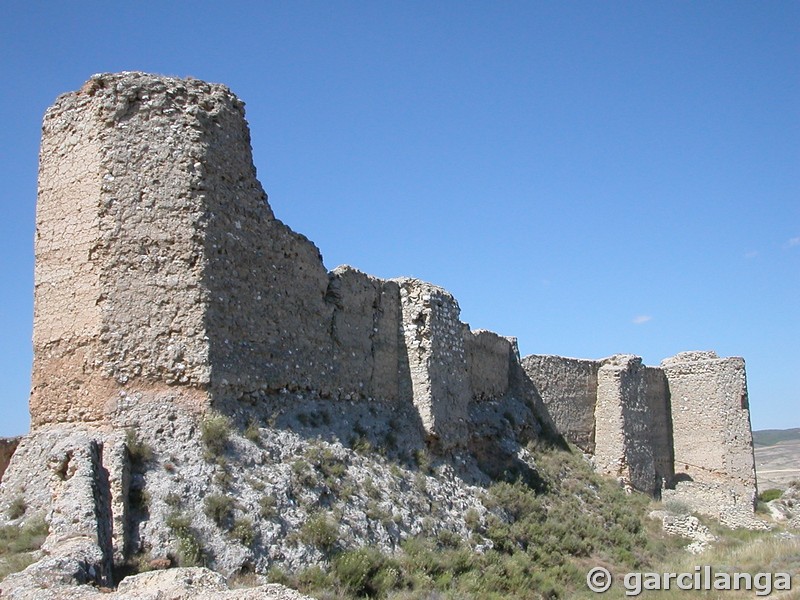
(591, 177)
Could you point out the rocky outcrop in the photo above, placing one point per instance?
(176, 584)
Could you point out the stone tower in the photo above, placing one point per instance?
(159, 265)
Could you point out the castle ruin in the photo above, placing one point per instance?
(680, 430)
(163, 278)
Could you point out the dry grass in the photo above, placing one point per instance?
(738, 551)
(19, 544)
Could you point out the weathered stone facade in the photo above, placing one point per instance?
(175, 278)
(568, 389)
(681, 430)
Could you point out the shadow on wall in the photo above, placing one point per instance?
(7, 448)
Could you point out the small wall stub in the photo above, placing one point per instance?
(489, 357)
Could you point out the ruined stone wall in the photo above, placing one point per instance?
(623, 423)
(617, 409)
(568, 389)
(7, 448)
(711, 430)
(658, 413)
(366, 336)
(673, 429)
(489, 357)
(267, 317)
(437, 360)
(163, 273)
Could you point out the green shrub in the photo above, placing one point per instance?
(218, 508)
(215, 431)
(190, 548)
(268, 506)
(140, 452)
(178, 521)
(325, 461)
(472, 519)
(223, 477)
(256, 484)
(320, 531)
(372, 490)
(30, 536)
(677, 507)
(17, 508)
(17, 545)
(422, 460)
(253, 431)
(303, 475)
(361, 444)
(244, 531)
(770, 494)
(366, 573)
(448, 539)
(278, 575)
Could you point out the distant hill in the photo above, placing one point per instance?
(770, 437)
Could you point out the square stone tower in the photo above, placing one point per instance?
(159, 264)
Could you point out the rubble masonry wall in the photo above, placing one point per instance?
(161, 267)
(568, 389)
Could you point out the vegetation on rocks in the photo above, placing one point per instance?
(215, 431)
(535, 540)
(18, 545)
(190, 547)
